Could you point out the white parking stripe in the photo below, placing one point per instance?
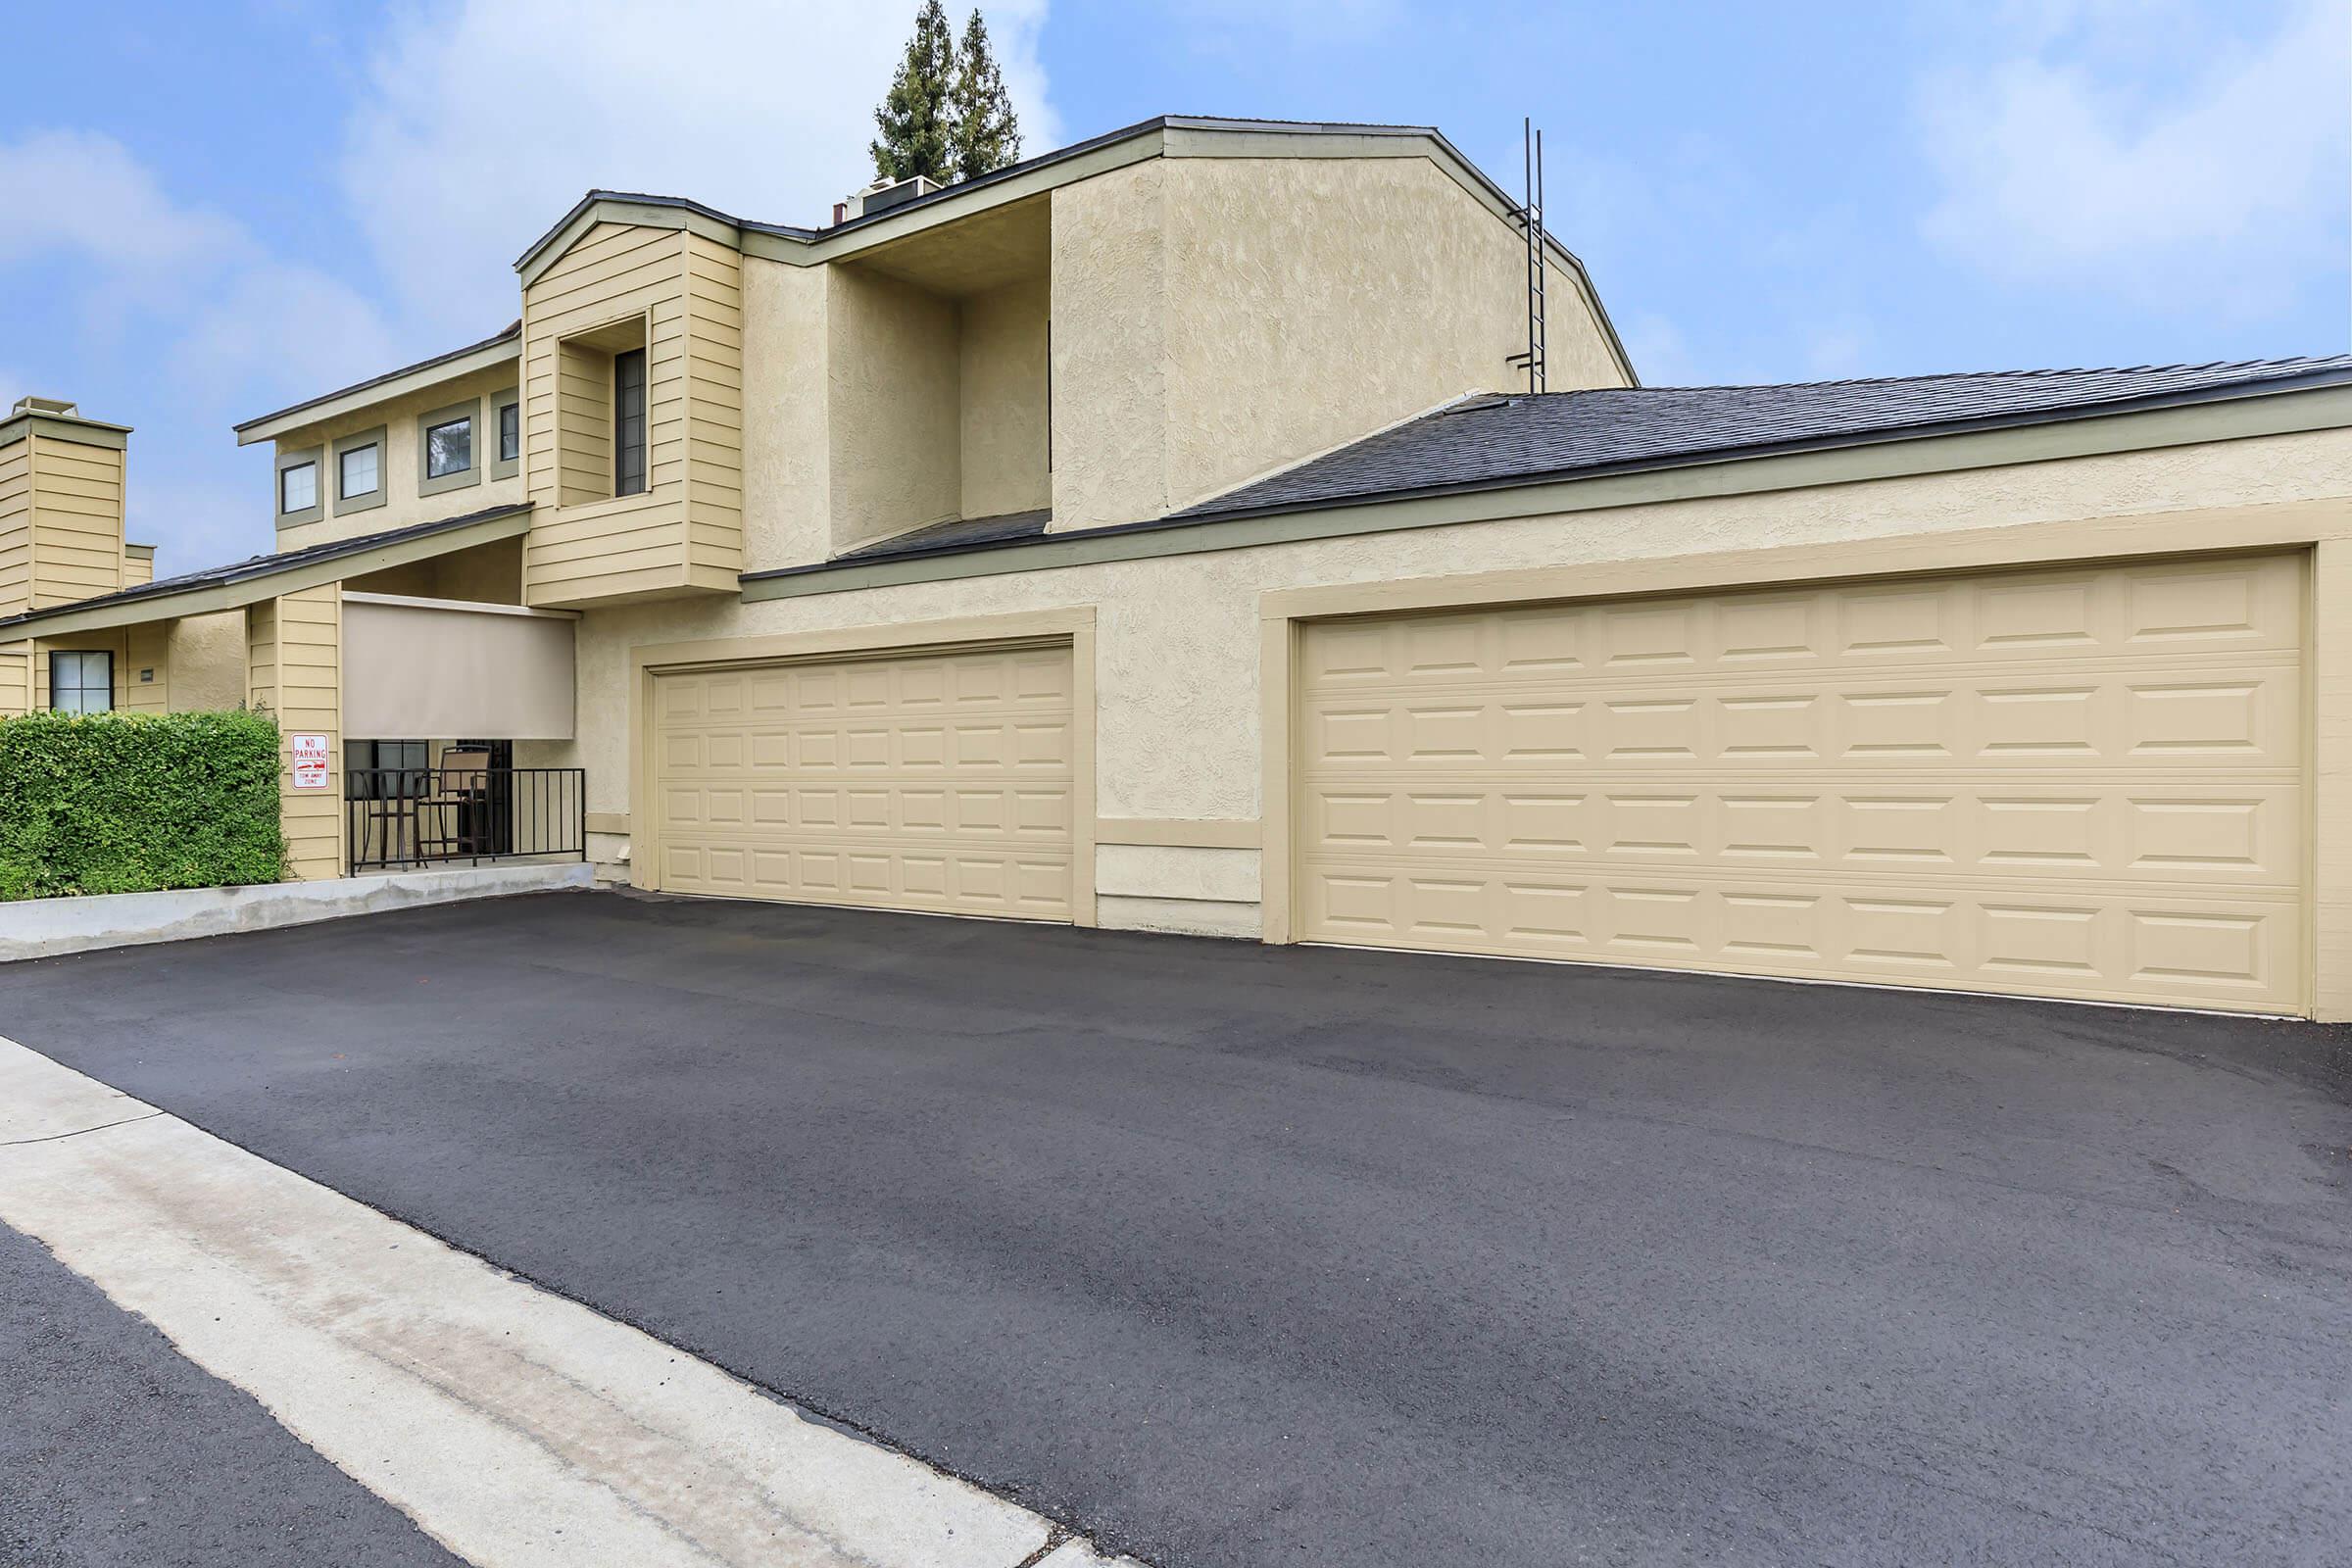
(516, 1427)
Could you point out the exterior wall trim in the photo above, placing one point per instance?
(2276, 414)
(315, 457)
(1073, 626)
(1177, 833)
(2324, 527)
(470, 411)
(62, 428)
(331, 480)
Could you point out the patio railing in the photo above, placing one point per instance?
(400, 817)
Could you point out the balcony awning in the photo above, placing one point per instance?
(448, 669)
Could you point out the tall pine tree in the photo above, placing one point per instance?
(916, 119)
(946, 113)
(987, 136)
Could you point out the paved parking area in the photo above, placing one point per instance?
(1235, 1256)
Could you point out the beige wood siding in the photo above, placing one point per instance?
(15, 680)
(685, 533)
(583, 426)
(77, 519)
(293, 668)
(712, 439)
(2082, 783)
(15, 528)
(939, 781)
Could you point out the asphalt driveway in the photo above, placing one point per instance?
(1235, 1256)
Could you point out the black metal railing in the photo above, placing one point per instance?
(410, 816)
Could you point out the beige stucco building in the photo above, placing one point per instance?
(1159, 534)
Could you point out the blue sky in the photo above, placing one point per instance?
(216, 209)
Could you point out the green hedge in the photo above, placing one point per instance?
(128, 802)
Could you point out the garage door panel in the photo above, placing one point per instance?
(2199, 715)
(2026, 830)
(933, 782)
(2056, 781)
(2250, 607)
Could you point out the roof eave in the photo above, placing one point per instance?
(234, 588)
(409, 378)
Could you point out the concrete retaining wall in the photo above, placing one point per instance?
(41, 928)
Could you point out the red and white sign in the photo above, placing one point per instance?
(310, 761)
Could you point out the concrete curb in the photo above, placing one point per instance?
(516, 1427)
(43, 928)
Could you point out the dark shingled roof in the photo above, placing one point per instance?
(269, 565)
(960, 533)
(1523, 439)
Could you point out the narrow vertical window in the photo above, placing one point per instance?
(509, 431)
(629, 422)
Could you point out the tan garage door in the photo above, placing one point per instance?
(2077, 783)
(934, 781)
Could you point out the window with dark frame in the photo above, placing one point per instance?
(81, 682)
(448, 447)
(365, 766)
(629, 422)
(509, 431)
(359, 472)
(298, 487)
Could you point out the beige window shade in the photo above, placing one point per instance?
(435, 668)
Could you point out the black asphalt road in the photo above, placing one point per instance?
(1233, 1255)
(116, 1451)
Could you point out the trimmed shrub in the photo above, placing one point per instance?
(129, 802)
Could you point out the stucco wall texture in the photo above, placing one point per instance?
(1177, 716)
(1220, 317)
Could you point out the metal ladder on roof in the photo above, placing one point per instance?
(1531, 222)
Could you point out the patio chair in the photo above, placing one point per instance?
(454, 786)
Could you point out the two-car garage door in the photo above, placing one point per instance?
(2082, 783)
(937, 782)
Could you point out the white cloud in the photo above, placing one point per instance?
(480, 124)
(2060, 165)
(207, 301)
(82, 194)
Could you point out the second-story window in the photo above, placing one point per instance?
(629, 422)
(360, 471)
(446, 459)
(509, 432)
(298, 487)
(448, 447)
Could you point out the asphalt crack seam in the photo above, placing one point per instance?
(51, 1138)
(1056, 1537)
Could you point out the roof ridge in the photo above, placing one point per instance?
(2289, 361)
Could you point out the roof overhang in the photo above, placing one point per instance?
(505, 347)
(1169, 137)
(2231, 415)
(251, 582)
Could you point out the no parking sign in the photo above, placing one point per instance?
(310, 761)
